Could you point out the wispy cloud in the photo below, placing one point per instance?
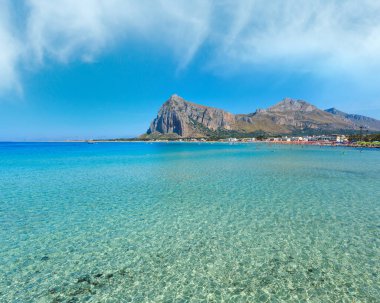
(310, 35)
(70, 29)
(315, 36)
(10, 50)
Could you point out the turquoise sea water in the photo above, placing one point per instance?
(140, 222)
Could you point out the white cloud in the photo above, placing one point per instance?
(316, 36)
(310, 35)
(66, 29)
(10, 51)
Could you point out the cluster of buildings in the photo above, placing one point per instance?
(321, 139)
(335, 138)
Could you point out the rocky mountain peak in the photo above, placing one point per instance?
(334, 111)
(289, 104)
(175, 100)
(187, 119)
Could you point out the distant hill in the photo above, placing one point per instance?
(178, 118)
(358, 120)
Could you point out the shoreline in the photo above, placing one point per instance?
(302, 143)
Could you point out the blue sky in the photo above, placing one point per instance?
(102, 68)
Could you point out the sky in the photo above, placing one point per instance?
(102, 68)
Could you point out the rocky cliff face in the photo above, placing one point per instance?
(180, 118)
(188, 119)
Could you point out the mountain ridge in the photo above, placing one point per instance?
(359, 120)
(179, 118)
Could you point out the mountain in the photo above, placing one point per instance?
(180, 118)
(358, 120)
(187, 119)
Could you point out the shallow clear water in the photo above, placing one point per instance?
(135, 222)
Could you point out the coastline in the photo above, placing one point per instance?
(302, 143)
